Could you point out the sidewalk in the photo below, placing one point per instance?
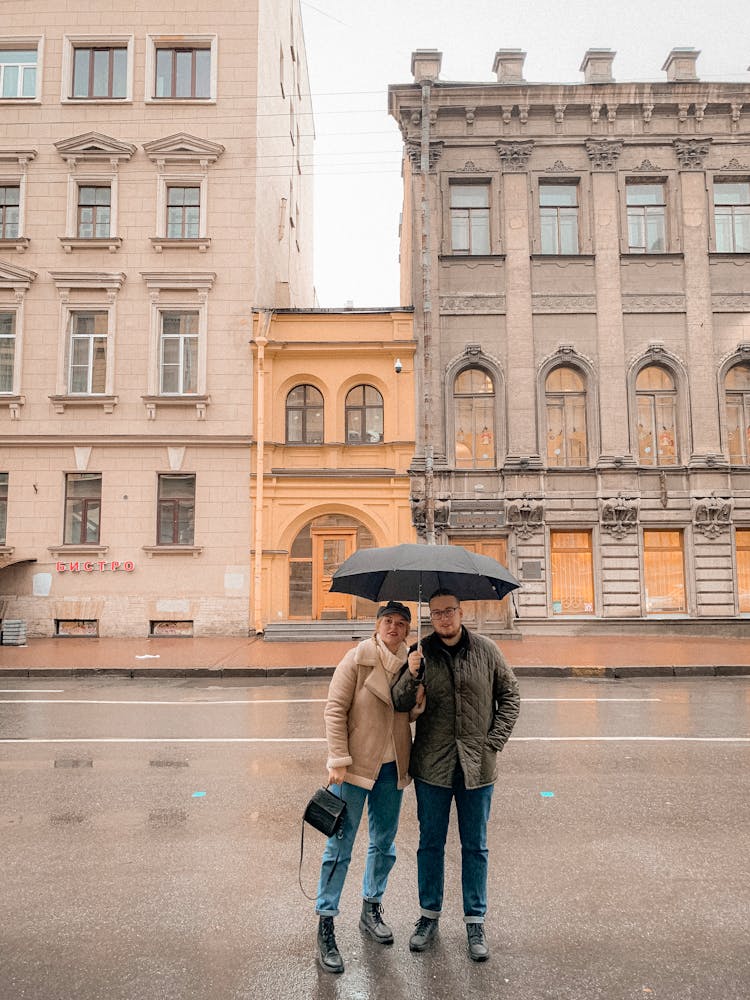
(564, 656)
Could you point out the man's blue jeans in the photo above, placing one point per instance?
(383, 808)
(433, 810)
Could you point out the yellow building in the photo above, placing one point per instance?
(334, 438)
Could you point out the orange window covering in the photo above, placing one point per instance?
(664, 572)
(742, 540)
(572, 573)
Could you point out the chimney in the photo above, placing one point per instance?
(508, 65)
(680, 65)
(597, 66)
(425, 65)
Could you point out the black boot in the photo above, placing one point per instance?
(478, 950)
(372, 922)
(328, 954)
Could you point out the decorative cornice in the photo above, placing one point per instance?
(712, 515)
(691, 153)
(94, 146)
(514, 155)
(486, 305)
(603, 153)
(13, 276)
(563, 303)
(414, 152)
(183, 147)
(21, 157)
(653, 303)
(526, 516)
(619, 515)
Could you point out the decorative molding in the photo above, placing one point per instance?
(603, 153)
(414, 152)
(619, 515)
(653, 303)
(71, 243)
(485, 305)
(563, 303)
(739, 302)
(558, 167)
(712, 515)
(473, 350)
(183, 148)
(66, 400)
(111, 281)
(691, 153)
(514, 155)
(94, 147)
(526, 516)
(16, 278)
(647, 167)
(470, 168)
(200, 243)
(198, 402)
(734, 164)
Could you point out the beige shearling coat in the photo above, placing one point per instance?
(359, 714)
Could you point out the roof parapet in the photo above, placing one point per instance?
(425, 65)
(597, 66)
(680, 65)
(508, 65)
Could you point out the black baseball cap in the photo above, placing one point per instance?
(395, 608)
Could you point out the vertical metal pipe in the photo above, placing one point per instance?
(426, 247)
(261, 339)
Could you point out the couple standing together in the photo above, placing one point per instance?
(465, 700)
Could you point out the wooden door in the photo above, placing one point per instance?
(499, 614)
(330, 548)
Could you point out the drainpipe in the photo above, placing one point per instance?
(424, 166)
(261, 339)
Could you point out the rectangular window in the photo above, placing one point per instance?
(664, 572)
(558, 218)
(10, 207)
(88, 353)
(176, 510)
(99, 73)
(179, 353)
(7, 350)
(572, 573)
(646, 218)
(18, 73)
(732, 216)
(742, 544)
(183, 73)
(183, 213)
(83, 504)
(470, 218)
(3, 506)
(94, 211)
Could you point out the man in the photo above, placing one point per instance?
(471, 706)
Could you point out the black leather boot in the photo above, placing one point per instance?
(372, 922)
(328, 953)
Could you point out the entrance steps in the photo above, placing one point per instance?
(325, 631)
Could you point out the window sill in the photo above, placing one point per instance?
(555, 258)
(108, 403)
(200, 403)
(457, 257)
(180, 100)
(70, 243)
(714, 255)
(14, 404)
(77, 550)
(628, 256)
(96, 100)
(160, 243)
(172, 550)
(20, 100)
(19, 244)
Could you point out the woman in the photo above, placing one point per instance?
(368, 759)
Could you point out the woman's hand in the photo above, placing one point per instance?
(336, 775)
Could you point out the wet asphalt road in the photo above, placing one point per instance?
(150, 843)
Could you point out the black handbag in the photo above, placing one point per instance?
(325, 812)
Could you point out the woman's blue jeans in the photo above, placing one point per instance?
(433, 811)
(383, 808)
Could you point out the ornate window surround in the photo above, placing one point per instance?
(14, 284)
(489, 179)
(739, 356)
(568, 357)
(14, 165)
(659, 356)
(582, 179)
(672, 209)
(474, 357)
(733, 171)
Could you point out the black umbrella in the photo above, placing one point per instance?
(414, 572)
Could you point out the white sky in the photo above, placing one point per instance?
(355, 48)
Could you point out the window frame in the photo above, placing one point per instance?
(76, 336)
(631, 184)
(94, 500)
(5, 236)
(94, 206)
(742, 567)
(303, 409)
(654, 529)
(582, 179)
(12, 337)
(672, 211)
(20, 44)
(564, 395)
(364, 410)
(715, 179)
(14, 165)
(474, 365)
(472, 218)
(656, 394)
(175, 503)
(208, 42)
(491, 181)
(14, 285)
(593, 555)
(95, 41)
(183, 338)
(736, 362)
(4, 488)
(199, 186)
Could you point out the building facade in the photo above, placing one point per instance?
(334, 439)
(154, 186)
(579, 261)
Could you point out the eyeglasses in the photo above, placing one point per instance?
(446, 613)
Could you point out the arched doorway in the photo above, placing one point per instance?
(316, 553)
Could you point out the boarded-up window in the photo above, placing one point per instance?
(664, 572)
(572, 573)
(742, 540)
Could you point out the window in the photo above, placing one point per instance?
(646, 218)
(183, 73)
(94, 211)
(742, 546)
(304, 416)
(88, 352)
(737, 389)
(18, 73)
(732, 216)
(572, 573)
(470, 218)
(99, 73)
(3, 506)
(664, 572)
(656, 399)
(183, 213)
(179, 353)
(10, 208)
(7, 350)
(176, 510)
(364, 415)
(474, 414)
(83, 503)
(565, 398)
(558, 218)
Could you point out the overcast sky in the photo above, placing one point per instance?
(355, 48)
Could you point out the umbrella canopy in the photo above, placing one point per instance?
(414, 572)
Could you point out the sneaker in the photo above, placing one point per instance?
(371, 921)
(425, 930)
(328, 954)
(478, 950)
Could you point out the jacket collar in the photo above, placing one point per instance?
(378, 681)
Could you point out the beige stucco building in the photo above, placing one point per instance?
(155, 185)
(581, 303)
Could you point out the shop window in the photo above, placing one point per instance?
(664, 572)
(470, 218)
(558, 218)
(572, 574)
(646, 207)
(565, 400)
(742, 547)
(364, 415)
(83, 506)
(304, 415)
(656, 398)
(732, 216)
(474, 416)
(77, 627)
(176, 510)
(737, 397)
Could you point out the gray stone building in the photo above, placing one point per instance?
(578, 256)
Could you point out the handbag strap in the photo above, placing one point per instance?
(301, 852)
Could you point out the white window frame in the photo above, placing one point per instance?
(12, 311)
(14, 284)
(712, 179)
(77, 181)
(153, 42)
(164, 181)
(13, 171)
(26, 42)
(72, 42)
(75, 335)
(182, 337)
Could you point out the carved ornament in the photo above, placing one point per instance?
(526, 516)
(691, 153)
(712, 515)
(603, 153)
(515, 156)
(619, 515)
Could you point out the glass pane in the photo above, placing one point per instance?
(572, 573)
(655, 230)
(555, 452)
(723, 222)
(460, 232)
(7, 353)
(558, 194)
(737, 377)
(294, 426)
(84, 484)
(10, 56)
(732, 193)
(99, 370)
(103, 195)
(166, 533)
(742, 230)
(374, 425)
(185, 522)
(354, 426)
(192, 222)
(203, 73)
(102, 223)
(575, 423)
(302, 544)
(654, 378)
(645, 194)
(464, 433)
(296, 397)
(314, 426)
(372, 396)
(174, 223)
(81, 72)
(312, 395)
(119, 72)
(93, 513)
(164, 72)
(548, 223)
(300, 589)
(190, 365)
(28, 87)
(470, 196)
(73, 530)
(742, 539)
(86, 195)
(666, 438)
(564, 380)
(10, 81)
(735, 429)
(646, 431)
(568, 230)
(101, 73)
(191, 195)
(663, 568)
(176, 196)
(636, 230)
(178, 486)
(184, 74)
(473, 381)
(480, 232)
(355, 396)
(171, 324)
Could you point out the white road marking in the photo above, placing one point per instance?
(188, 704)
(321, 739)
(32, 690)
(590, 699)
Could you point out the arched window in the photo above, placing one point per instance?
(565, 401)
(474, 414)
(304, 415)
(656, 397)
(364, 415)
(737, 395)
